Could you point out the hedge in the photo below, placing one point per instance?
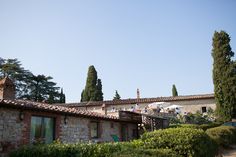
(223, 135)
(126, 149)
(196, 126)
(141, 152)
(160, 143)
(185, 141)
(70, 150)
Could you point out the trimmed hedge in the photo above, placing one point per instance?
(147, 153)
(223, 135)
(71, 150)
(196, 126)
(185, 141)
(160, 143)
(126, 149)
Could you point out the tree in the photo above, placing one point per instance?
(224, 76)
(41, 87)
(28, 86)
(93, 87)
(117, 96)
(99, 94)
(14, 70)
(62, 97)
(174, 91)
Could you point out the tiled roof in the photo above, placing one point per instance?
(141, 100)
(23, 104)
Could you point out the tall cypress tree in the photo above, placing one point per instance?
(224, 76)
(117, 96)
(174, 91)
(93, 87)
(99, 94)
(62, 97)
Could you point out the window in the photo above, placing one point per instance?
(42, 129)
(94, 128)
(204, 109)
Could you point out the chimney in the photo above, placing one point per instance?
(7, 88)
(138, 94)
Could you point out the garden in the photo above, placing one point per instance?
(183, 140)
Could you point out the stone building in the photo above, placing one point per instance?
(25, 122)
(189, 103)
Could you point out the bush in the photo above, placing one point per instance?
(147, 153)
(208, 126)
(196, 126)
(185, 141)
(223, 135)
(71, 150)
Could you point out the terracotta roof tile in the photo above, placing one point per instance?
(141, 100)
(24, 104)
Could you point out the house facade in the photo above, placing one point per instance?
(188, 103)
(25, 122)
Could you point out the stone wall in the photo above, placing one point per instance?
(15, 132)
(11, 128)
(75, 130)
(109, 128)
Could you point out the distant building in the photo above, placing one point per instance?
(189, 103)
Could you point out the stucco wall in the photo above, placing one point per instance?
(188, 106)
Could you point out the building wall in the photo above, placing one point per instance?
(188, 106)
(196, 105)
(78, 129)
(15, 132)
(11, 129)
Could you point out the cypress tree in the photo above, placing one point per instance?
(174, 91)
(93, 87)
(99, 94)
(224, 76)
(62, 97)
(117, 96)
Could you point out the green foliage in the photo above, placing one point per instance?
(62, 98)
(174, 91)
(16, 72)
(223, 135)
(147, 153)
(99, 94)
(28, 86)
(185, 141)
(224, 76)
(196, 126)
(197, 118)
(117, 96)
(93, 87)
(175, 142)
(123, 149)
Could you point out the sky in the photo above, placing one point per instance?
(149, 45)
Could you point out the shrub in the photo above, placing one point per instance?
(75, 150)
(147, 153)
(223, 135)
(185, 141)
(208, 126)
(196, 126)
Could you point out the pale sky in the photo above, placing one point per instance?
(133, 44)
